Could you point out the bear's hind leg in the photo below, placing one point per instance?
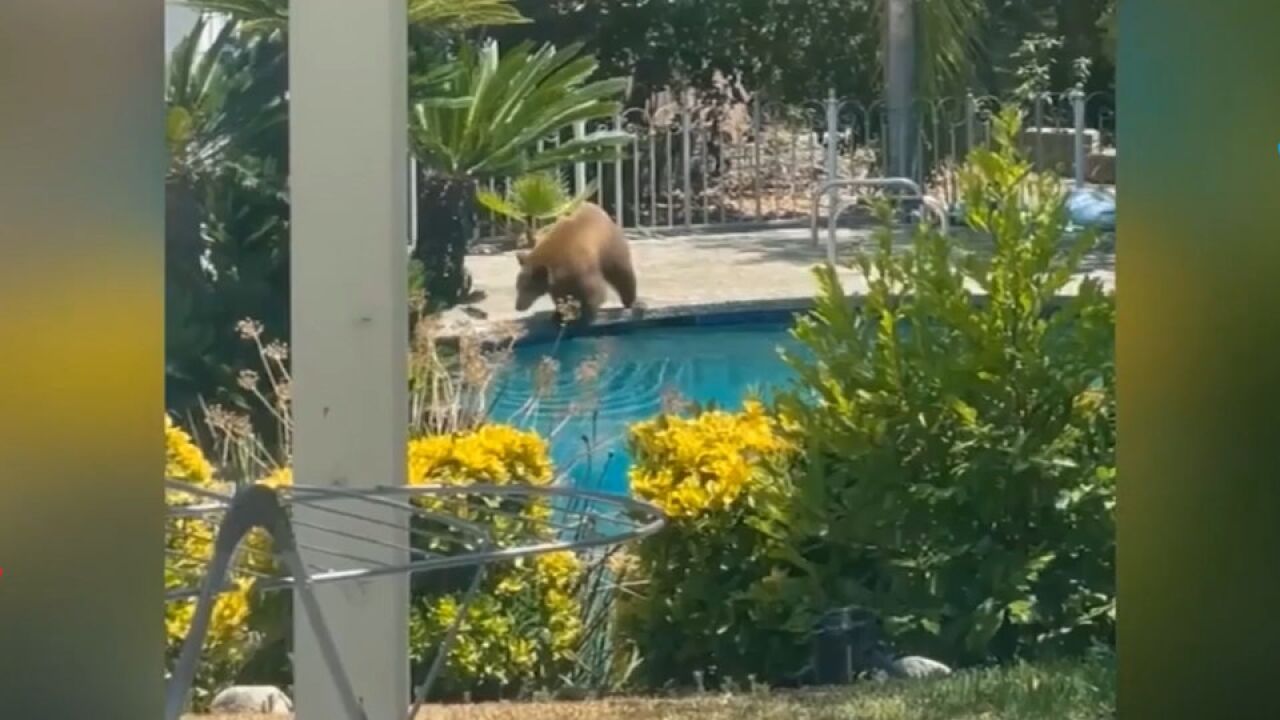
(623, 280)
(592, 297)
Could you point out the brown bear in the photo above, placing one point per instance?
(574, 259)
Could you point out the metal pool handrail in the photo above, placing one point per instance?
(910, 191)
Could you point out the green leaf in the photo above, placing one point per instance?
(497, 204)
(490, 118)
(1020, 612)
(931, 626)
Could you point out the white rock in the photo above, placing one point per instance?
(262, 699)
(915, 666)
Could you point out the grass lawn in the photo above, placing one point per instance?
(1050, 692)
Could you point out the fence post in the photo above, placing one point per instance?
(833, 135)
(757, 133)
(653, 174)
(833, 160)
(618, 167)
(970, 118)
(579, 168)
(1077, 105)
(685, 159)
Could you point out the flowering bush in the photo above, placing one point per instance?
(691, 466)
(491, 455)
(696, 610)
(520, 632)
(188, 548)
(523, 626)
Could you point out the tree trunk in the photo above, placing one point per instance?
(446, 225)
(900, 83)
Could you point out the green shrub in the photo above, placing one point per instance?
(519, 635)
(957, 469)
(694, 607)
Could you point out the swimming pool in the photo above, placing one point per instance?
(634, 369)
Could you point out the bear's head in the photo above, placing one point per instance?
(531, 283)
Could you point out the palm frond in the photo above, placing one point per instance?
(254, 15)
(197, 128)
(499, 205)
(267, 16)
(595, 147)
(948, 42)
(459, 15)
(490, 115)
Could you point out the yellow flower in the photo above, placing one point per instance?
(688, 466)
(281, 477)
(189, 545)
(183, 460)
(559, 567)
(489, 647)
(493, 454)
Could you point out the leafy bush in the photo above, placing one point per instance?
(958, 457)
(694, 610)
(520, 633)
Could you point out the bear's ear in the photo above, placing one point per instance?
(522, 257)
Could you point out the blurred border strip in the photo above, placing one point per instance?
(1199, 359)
(82, 163)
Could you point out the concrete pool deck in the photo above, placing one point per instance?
(705, 272)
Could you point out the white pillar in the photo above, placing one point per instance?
(348, 125)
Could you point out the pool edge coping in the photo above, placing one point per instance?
(540, 327)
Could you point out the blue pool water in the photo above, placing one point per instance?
(708, 364)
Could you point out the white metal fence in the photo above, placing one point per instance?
(692, 165)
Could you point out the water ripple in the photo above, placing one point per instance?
(632, 374)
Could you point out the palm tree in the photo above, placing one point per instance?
(534, 199)
(196, 123)
(226, 137)
(942, 41)
(487, 122)
(197, 133)
(931, 46)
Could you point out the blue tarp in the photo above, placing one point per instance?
(1086, 207)
(1091, 207)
